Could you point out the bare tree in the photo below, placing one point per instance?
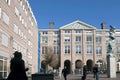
(50, 58)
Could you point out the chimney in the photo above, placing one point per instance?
(51, 24)
(103, 25)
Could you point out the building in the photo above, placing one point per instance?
(18, 32)
(79, 44)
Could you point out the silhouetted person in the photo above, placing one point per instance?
(96, 72)
(65, 73)
(17, 68)
(84, 72)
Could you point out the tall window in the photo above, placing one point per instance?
(15, 29)
(78, 38)
(0, 12)
(5, 18)
(44, 50)
(44, 39)
(67, 49)
(45, 32)
(78, 49)
(3, 67)
(16, 11)
(118, 49)
(67, 31)
(67, 39)
(89, 39)
(56, 33)
(78, 31)
(89, 49)
(98, 39)
(4, 40)
(56, 40)
(98, 50)
(117, 40)
(56, 49)
(8, 2)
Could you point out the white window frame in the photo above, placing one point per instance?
(4, 40)
(5, 18)
(98, 50)
(67, 49)
(89, 49)
(78, 49)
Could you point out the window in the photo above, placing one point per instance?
(44, 39)
(118, 49)
(56, 32)
(45, 32)
(5, 18)
(89, 49)
(44, 50)
(89, 39)
(67, 31)
(8, 2)
(67, 39)
(56, 40)
(98, 39)
(0, 12)
(4, 40)
(16, 11)
(67, 49)
(117, 40)
(56, 49)
(78, 49)
(78, 38)
(15, 29)
(78, 31)
(3, 67)
(98, 32)
(98, 50)
(14, 45)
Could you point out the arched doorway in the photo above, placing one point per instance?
(89, 65)
(78, 64)
(67, 63)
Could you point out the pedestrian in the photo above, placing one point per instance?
(65, 72)
(96, 72)
(17, 68)
(84, 72)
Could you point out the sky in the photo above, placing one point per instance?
(63, 12)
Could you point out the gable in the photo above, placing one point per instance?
(77, 25)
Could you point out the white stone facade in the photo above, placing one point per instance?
(79, 41)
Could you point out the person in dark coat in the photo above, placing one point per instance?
(17, 68)
(65, 73)
(96, 72)
(84, 72)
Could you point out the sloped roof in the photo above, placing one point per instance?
(78, 25)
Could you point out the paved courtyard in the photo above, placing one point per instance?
(89, 77)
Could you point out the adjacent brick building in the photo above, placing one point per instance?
(18, 32)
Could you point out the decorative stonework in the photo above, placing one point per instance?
(77, 25)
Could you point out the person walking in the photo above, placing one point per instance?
(17, 68)
(65, 72)
(84, 72)
(96, 72)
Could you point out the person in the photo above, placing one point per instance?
(96, 72)
(17, 68)
(65, 73)
(84, 72)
